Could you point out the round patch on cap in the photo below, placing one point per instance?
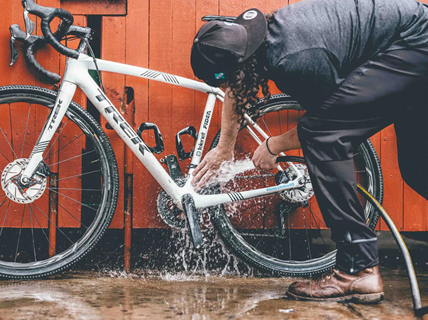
(249, 15)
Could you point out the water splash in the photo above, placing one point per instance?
(229, 170)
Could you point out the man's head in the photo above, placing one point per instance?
(219, 48)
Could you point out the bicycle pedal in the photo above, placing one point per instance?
(192, 220)
(174, 168)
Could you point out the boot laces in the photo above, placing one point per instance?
(329, 274)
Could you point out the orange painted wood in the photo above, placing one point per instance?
(205, 8)
(415, 210)
(113, 48)
(70, 162)
(138, 19)
(95, 7)
(160, 94)
(182, 40)
(394, 188)
(158, 34)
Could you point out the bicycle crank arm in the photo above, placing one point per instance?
(192, 220)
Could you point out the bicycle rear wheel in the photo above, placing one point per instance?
(50, 224)
(285, 234)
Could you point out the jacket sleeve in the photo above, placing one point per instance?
(310, 76)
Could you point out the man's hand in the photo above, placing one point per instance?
(262, 159)
(209, 166)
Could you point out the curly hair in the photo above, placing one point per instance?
(249, 78)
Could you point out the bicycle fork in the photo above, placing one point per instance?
(65, 95)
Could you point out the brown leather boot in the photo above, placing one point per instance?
(363, 287)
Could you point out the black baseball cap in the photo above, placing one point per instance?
(219, 47)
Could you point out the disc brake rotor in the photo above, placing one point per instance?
(15, 190)
(301, 194)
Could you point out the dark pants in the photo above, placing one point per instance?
(390, 89)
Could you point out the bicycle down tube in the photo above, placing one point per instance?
(76, 74)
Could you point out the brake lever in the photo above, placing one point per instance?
(29, 24)
(18, 34)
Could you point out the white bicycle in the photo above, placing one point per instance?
(56, 161)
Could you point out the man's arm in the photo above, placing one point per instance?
(224, 150)
(263, 159)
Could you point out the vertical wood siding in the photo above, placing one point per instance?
(158, 34)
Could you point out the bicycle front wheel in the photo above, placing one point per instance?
(60, 215)
(285, 233)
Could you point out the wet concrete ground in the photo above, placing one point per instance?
(115, 295)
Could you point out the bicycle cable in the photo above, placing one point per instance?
(68, 38)
(96, 64)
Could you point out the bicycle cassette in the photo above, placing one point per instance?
(299, 194)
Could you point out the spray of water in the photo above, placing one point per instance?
(229, 170)
(186, 264)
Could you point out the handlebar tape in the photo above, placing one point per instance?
(47, 15)
(52, 77)
(32, 44)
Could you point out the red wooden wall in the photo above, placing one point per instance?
(158, 34)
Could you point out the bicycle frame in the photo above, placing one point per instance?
(77, 75)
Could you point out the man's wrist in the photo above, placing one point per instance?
(272, 145)
(225, 148)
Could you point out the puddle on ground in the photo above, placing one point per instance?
(147, 295)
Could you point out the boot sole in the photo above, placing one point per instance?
(369, 298)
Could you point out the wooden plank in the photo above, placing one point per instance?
(70, 159)
(95, 7)
(137, 53)
(393, 183)
(113, 48)
(376, 139)
(183, 99)
(18, 73)
(203, 8)
(8, 18)
(160, 103)
(415, 210)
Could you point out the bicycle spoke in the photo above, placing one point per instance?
(41, 228)
(307, 236)
(313, 214)
(316, 216)
(15, 156)
(63, 147)
(78, 175)
(33, 242)
(11, 133)
(53, 143)
(81, 203)
(80, 155)
(266, 126)
(4, 156)
(73, 215)
(25, 131)
(32, 237)
(93, 190)
(19, 235)
(50, 221)
(5, 215)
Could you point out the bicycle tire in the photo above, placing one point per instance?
(271, 264)
(73, 242)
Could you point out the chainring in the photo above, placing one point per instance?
(169, 212)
